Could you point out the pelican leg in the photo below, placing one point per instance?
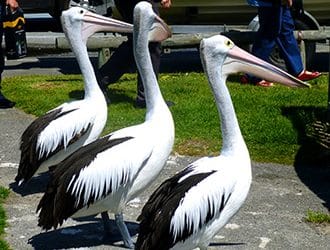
(128, 242)
(106, 223)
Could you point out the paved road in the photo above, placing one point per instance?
(271, 218)
(39, 62)
(65, 63)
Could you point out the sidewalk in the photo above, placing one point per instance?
(271, 218)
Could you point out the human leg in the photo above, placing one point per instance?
(287, 43)
(120, 62)
(122, 59)
(265, 40)
(267, 32)
(4, 102)
(289, 48)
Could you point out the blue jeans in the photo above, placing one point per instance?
(276, 28)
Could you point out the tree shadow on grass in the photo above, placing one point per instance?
(312, 161)
(115, 96)
(85, 234)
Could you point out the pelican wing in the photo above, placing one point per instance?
(68, 127)
(90, 174)
(179, 207)
(157, 213)
(203, 203)
(48, 135)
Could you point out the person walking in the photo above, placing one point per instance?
(13, 5)
(122, 59)
(276, 28)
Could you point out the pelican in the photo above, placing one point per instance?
(52, 137)
(187, 210)
(107, 173)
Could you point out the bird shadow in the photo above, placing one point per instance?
(77, 94)
(119, 96)
(312, 161)
(88, 234)
(37, 184)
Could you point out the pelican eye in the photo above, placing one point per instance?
(228, 43)
(81, 11)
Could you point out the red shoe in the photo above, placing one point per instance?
(264, 83)
(306, 75)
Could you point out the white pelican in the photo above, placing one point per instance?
(61, 131)
(187, 210)
(105, 174)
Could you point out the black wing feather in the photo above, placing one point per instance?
(157, 213)
(30, 161)
(58, 203)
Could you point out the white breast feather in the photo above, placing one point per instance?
(106, 171)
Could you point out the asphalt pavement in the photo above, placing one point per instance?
(273, 216)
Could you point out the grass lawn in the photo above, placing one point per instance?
(3, 194)
(317, 217)
(273, 120)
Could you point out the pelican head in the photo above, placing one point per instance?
(146, 19)
(77, 19)
(223, 52)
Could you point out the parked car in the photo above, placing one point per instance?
(207, 12)
(191, 11)
(55, 7)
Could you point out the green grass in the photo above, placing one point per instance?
(272, 120)
(317, 217)
(3, 195)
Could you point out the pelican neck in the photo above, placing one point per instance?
(79, 48)
(231, 133)
(152, 91)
